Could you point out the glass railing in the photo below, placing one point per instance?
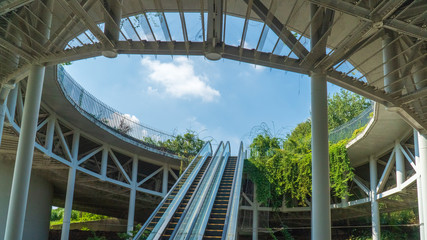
(183, 229)
(346, 130)
(230, 224)
(199, 225)
(177, 191)
(102, 113)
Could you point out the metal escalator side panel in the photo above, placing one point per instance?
(201, 156)
(199, 226)
(167, 216)
(184, 228)
(232, 216)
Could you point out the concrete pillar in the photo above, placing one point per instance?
(400, 165)
(375, 211)
(391, 64)
(24, 156)
(68, 208)
(422, 169)
(320, 206)
(37, 216)
(419, 189)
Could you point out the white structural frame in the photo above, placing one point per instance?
(72, 158)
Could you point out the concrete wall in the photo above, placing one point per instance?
(38, 207)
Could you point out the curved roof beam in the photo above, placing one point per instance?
(378, 17)
(279, 29)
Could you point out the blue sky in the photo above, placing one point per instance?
(223, 100)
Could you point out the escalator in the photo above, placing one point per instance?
(203, 204)
(215, 226)
(174, 221)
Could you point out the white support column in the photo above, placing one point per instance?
(419, 188)
(70, 187)
(24, 155)
(11, 101)
(132, 198)
(320, 201)
(375, 211)
(255, 220)
(400, 165)
(422, 169)
(391, 64)
(104, 163)
(320, 210)
(165, 179)
(4, 92)
(50, 133)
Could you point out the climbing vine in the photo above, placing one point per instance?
(281, 168)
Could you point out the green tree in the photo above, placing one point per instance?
(344, 106)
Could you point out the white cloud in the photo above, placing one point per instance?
(178, 79)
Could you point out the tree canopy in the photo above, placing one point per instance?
(344, 106)
(281, 168)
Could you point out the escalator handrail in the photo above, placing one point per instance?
(183, 229)
(192, 198)
(231, 218)
(207, 154)
(214, 186)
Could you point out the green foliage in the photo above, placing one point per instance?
(96, 237)
(57, 215)
(344, 106)
(340, 169)
(286, 172)
(132, 233)
(186, 145)
(281, 168)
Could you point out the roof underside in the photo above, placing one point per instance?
(349, 47)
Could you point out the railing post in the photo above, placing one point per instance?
(376, 228)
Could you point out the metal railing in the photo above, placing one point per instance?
(347, 129)
(99, 111)
(230, 223)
